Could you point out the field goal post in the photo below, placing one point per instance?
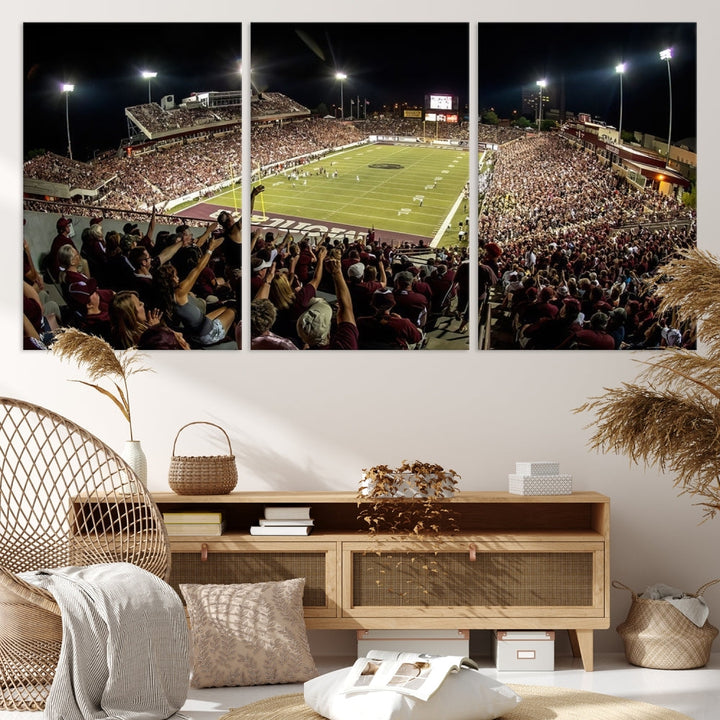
(263, 217)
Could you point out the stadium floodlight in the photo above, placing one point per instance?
(342, 77)
(667, 55)
(541, 84)
(149, 75)
(620, 70)
(67, 88)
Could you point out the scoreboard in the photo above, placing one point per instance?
(441, 107)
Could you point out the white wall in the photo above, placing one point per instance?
(313, 421)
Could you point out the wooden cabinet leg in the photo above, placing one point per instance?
(581, 642)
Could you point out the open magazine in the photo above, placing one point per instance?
(409, 673)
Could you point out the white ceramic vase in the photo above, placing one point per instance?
(134, 456)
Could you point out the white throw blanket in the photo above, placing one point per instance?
(124, 651)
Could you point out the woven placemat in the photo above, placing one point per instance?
(539, 703)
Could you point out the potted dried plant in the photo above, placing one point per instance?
(102, 363)
(408, 503)
(670, 416)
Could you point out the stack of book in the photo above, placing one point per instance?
(284, 520)
(539, 478)
(194, 523)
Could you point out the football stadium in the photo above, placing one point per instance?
(341, 183)
(359, 225)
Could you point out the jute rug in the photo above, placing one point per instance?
(539, 703)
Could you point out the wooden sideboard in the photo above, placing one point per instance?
(515, 562)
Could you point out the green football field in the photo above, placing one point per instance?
(413, 192)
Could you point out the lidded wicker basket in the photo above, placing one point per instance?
(657, 635)
(205, 474)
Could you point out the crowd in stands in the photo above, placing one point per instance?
(334, 293)
(566, 248)
(413, 128)
(155, 119)
(272, 143)
(572, 246)
(59, 169)
(267, 104)
(138, 181)
(499, 134)
(120, 285)
(182, 290)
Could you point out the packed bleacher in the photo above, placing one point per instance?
(59, 169)
(268, 104)
(157, 120)
(319, 293)
(271, 143)
(137, 181)
(118, 284)
(573, 246)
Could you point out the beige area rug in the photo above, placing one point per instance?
(539, 703)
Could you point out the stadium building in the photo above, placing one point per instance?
(642, 167)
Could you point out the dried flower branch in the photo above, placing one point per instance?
(670, 417)
(100, 361)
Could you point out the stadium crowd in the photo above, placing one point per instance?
(182, 290)
(171, 170)
(334, 293)
(184, 286)
(565, 247)
(571, 246)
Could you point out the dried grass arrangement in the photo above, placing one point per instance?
(101, 362)
(407, 500)
(669, 417)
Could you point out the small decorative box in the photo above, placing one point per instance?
(524, 650)
(537, 469)
(547, 485)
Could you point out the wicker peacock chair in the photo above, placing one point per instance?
(65, 499)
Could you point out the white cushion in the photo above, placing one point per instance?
(465, 695)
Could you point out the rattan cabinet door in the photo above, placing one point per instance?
(220, 562)
(529, 580)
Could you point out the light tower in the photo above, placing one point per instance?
(620, 70)
(342, 77)
(541, 84)
(149, 75)
(666, 55)
(67, 88)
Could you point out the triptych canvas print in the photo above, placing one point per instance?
(358, 186)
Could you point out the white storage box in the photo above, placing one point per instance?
(524, 650)
(431, 642)
(538, 468)
(537, 485)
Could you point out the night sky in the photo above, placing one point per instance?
(512, 55)
(384, 63)
(105, 61)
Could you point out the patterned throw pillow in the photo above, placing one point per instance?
(248, 634)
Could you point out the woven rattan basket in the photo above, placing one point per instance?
(202, 475)
(657, 635)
